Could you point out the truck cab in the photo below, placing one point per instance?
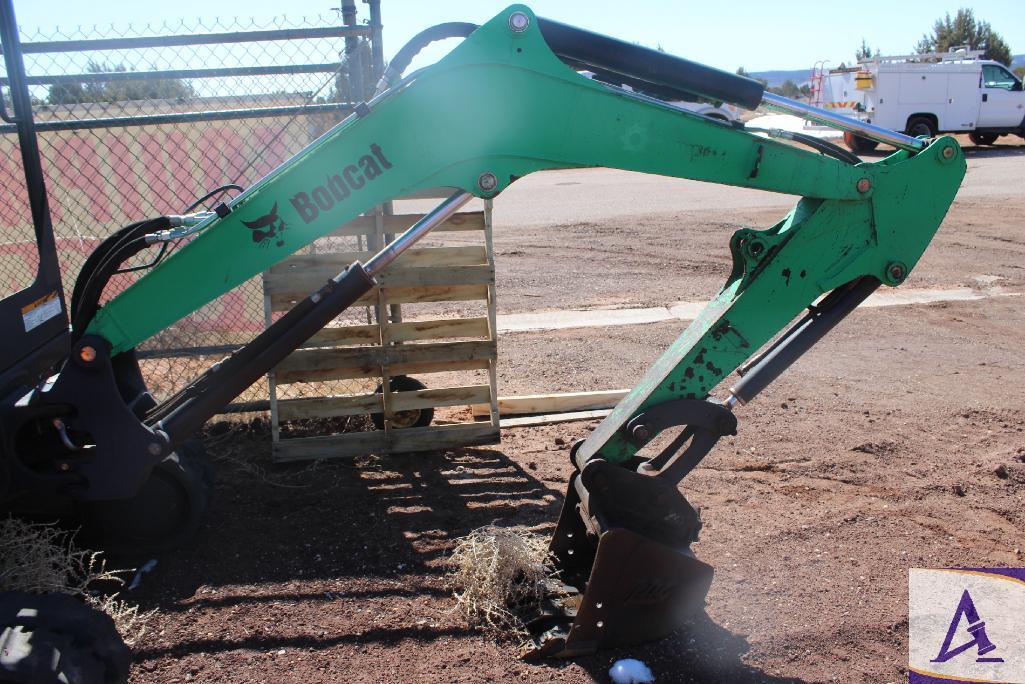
(1002, 104)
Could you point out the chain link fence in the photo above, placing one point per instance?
(138, 121)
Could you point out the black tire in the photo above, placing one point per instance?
(919, 126)
(983, 138)
(404, 419)
(53, 638)
(165, 514)
(857, 144)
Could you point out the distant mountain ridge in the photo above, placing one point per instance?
(778, 76)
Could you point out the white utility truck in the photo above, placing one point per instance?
(922, 95)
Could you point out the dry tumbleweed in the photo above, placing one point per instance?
(499, 572)
(43, 559)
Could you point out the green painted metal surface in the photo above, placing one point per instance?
(501, 102)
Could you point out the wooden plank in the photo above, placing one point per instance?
(421, 367)
(435, 293)
(331, 263)
(306, 365)
(359, 404)
(489, 249)
(553, 403)
(440, 328)
(329, 407)
(344, 335)
(362, 225)
(297, 285)
(348, 335)
(551, 419)
(440, 396)
(400, 295)
(384, 317)
(431, 438)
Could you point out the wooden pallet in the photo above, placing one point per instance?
(398, 343)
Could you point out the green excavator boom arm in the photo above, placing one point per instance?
(502, 105)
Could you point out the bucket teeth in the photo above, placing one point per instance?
(623, 545)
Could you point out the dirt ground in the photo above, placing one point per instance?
(897, 443)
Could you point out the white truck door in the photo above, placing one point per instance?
(884, 101)
(1003, 101)
(963, 100)
(923, 91)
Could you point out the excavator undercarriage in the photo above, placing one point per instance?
(509, 100)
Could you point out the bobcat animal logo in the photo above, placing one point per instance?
(268, 227)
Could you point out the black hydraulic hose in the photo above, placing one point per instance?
(103, 264)
(827, 148)
(97, 257)
(402, 59)
(106, 260)
(215, 191)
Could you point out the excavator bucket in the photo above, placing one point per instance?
(622, 551)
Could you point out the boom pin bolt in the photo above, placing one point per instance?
(487, 181)
(896, 272)
(864, 185)
(518, 22)
(948, 152)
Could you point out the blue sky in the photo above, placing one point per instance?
(774, 34)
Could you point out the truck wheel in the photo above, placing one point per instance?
(919, 126)
(52, 638)
(404, 419)
(983, 138)
(165, 513)
(857, 144)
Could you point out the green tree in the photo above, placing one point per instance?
(117, 91)
(788, 89)
(964, 29)
(741, 71)
(865, 52)
(1020, 72)
(355, 69)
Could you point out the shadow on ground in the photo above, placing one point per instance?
(321, 540)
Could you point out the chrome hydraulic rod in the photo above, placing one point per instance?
(844, 123)
(429, 222)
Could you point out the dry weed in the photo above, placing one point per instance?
(499, 572)
(130, 622)
(42, 559)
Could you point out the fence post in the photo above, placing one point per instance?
(376, 32)
(353, 54)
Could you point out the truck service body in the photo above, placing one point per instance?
(955, 92)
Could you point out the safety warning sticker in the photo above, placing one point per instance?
(40, 311)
